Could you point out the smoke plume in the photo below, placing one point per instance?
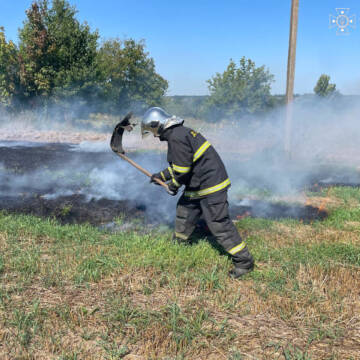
(324, 148)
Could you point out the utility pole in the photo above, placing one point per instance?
(291, 73)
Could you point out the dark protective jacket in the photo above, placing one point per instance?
(193, 163)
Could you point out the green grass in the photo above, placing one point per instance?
(347, 194)
(74, 292)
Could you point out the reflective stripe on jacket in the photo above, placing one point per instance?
(194, 163)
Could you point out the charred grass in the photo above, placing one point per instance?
(75, 292)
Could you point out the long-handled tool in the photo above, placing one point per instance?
(116, 146)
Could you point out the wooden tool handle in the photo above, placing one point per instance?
(144, 171)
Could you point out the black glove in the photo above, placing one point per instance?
(155, 176)
(172, 189)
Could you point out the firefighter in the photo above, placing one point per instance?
(194, 163)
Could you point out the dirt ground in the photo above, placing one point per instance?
(51, 136)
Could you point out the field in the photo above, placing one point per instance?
(75, 292)
(88, 269)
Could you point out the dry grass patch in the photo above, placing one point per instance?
(324, 202)
(284, 234)
(76, 293)
(236, 317)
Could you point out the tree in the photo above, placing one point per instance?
(240, 90)
(35, 70)
(128, 75)
(74, 58)
(323, 87)
(58, 60)
(9, 71)
(57, 53)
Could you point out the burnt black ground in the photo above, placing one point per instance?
(33, 181)
(42, 165)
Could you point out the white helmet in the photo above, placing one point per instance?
(156, 120)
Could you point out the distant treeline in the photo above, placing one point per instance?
(188, 106)
(60, 68)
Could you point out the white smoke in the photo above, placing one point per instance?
(324, 147)
(88, 169)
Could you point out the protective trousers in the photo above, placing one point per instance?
(215, 211)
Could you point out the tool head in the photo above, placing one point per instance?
(116, 138)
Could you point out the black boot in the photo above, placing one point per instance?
(237, 272)
(243, 264)
(177, 240)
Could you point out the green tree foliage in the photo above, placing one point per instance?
(57, 53)
(34, 45)
(75, 57)
(323, 87)
(240, 90)
(186, 106)
(9, 71)
(58, 59)
(128, 75)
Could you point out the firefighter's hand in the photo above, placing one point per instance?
(155, 176)
(172, 189)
